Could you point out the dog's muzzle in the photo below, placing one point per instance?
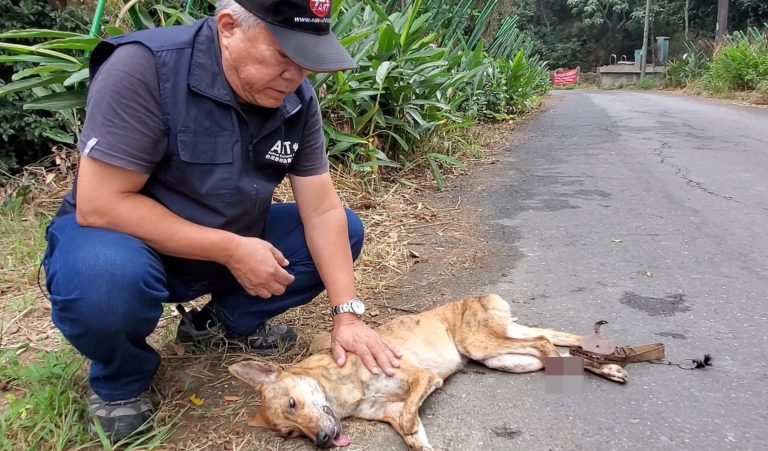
(327, 437)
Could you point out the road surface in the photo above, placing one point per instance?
(647, 210)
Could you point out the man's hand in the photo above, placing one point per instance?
(353, 335)
(258, 266)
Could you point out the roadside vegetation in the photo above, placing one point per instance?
(429, 70)
(736, 69)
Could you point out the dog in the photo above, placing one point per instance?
(311, 397)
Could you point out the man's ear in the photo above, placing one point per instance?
(226, 23)
(254, 373)
(258, 420)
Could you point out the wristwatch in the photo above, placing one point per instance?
(354, 305)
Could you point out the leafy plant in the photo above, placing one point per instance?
(741, 64)
(692, 66)
(25, 136)
(420, 69)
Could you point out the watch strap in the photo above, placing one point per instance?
(345, 307)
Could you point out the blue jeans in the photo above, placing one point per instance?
(107, 291)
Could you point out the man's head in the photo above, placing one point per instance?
(268, 46)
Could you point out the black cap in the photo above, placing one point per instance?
(303, 30)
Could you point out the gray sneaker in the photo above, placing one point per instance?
(199, 330)
(120, 419)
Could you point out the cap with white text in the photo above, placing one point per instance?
(303, 30)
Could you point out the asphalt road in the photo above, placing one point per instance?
(646, 210)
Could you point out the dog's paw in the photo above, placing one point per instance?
(613, 372)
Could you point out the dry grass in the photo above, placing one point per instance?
(405, 225)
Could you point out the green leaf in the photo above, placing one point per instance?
(59, 135)
(76, 43)
(25, 49)
(337, 135)
(78, 76)
(445, 159)
(31, 83)
(361, 121)
(37, 70)
(113, 31)
(378, 10)
(435, 169)
(344, 22)
(387, 39)
(382, 71)
(59, 101)
(38, 33)
(374, 163)
(404, 145)
(185, 18)
(413, 12)
(144, 17)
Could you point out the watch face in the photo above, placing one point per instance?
(358, 307)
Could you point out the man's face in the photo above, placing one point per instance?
(255, 65)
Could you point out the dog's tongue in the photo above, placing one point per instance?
(341, 440)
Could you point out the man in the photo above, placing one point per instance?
(189, 129)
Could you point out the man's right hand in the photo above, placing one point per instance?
(258, 267)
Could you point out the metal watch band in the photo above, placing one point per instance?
(345, 307)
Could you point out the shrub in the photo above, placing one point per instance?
(741, 64)
(26, 136)
(691, 67)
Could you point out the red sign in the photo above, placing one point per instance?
(321, 8)
(565, 77)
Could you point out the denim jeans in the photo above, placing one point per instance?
(107, 291)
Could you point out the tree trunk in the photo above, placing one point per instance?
(644, 52)
(686, 18)
(721, 29)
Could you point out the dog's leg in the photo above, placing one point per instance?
(514, 363)
(421, 383)
(484, 346)
(418, 441)
(556, 337)
(414, 441)
(610, 371)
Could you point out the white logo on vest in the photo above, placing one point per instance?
(282, 151)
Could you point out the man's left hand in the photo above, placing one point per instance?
(353, 335)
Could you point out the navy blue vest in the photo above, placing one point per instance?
(213, 172)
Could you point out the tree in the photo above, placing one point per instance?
(614, 14)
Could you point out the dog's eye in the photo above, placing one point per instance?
(291, 403)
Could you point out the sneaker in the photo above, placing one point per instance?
(199, 330)
(119, 419)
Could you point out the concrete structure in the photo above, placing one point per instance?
(627, 74)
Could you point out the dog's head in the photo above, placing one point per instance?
(291, 405)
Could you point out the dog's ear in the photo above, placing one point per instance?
(254, 373)
(258, 420)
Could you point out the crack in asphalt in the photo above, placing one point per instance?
(682, 172)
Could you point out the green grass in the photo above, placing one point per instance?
(646, 83)
(43, 405)
(22, 239)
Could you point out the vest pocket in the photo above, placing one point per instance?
(205, 165)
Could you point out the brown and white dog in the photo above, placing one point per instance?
(312, 396)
